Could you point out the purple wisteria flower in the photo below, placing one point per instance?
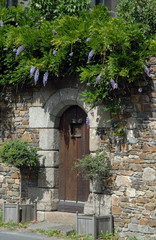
(54, 32)
(19, 50)
(88, 39)
(90, 55)
(16, 24)
(45, 78)
(32, 70)
(87, 121)
(54, 52)
(88, 84)
(36, 76)
(140, 90)
(113, 84)
(1, 24)
(98, 78)
(71, 54)
(146, 69)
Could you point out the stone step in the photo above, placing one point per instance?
(61, 218)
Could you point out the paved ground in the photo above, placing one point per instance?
(27, 234)
(46, 226)
(23, 235)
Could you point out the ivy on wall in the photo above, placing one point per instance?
(108, 54)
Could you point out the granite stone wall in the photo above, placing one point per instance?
(134, 165)
(130, 193)
(9, 184)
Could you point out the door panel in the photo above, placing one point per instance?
(74, 144)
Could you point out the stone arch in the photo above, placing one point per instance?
(60, 101)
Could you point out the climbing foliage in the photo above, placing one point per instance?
(107, 54)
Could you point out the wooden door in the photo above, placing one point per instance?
(74, 144)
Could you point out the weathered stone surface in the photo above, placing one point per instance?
(49, 139)
(48, 177)
(49, 158)
(59, 101)
(150, 206)
(15, 175)
(123, 181)
(115, 200)
(1, 178)
(116, 210)
(102, 205)
(99, 117)
(40, 118)
(149, 174)
(153, 214)
(94, 139)
(41, 216)
(131, 192)
(26, 137)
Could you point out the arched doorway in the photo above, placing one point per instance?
(74, 144)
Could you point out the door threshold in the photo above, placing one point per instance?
(70, 206)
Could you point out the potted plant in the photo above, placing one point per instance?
(95, 167)
(22, 155)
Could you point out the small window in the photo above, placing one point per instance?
(29, 177)
(10, 3)
(111, 4)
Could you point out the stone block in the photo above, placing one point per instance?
(26, 136)
(1, 179)
(94, 140)
(49, 139)
(134, 98)
(48, 177)
(42, 195)
(47, 206)
(10, 181)
(146, 229)
(131, 192)
(40, 216)
(153, 215)
(123, 181)
(15, 175)
(143, 221)
(149, 174)
(49, 158)
(40, 97)
(55, 105)
(150, 206)
(115, 200)
(69, 96)
(40, 118)
(133, 227)
(116, 210)
(99, 117)
(102, 204)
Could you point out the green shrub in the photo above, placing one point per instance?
(94, 165)
(57, 8)
(19, 153)
(139, 11)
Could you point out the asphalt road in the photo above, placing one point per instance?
(24, 235)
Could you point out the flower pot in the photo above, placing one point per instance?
(93, 225)
(19, 212)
